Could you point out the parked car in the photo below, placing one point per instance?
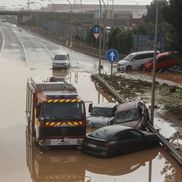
(101, 114)
(135, 60)
(61, 61)
(163, 61)
(133, 114)
(115, 140)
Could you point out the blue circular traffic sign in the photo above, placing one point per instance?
(112, 55)
(96, 29)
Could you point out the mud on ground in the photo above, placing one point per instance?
(167, 97)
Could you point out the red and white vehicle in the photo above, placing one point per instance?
(55, 114)
(164, 61)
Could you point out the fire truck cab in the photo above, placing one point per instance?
(55, 114)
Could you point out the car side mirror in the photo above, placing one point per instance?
(90, 107)
(111, 121)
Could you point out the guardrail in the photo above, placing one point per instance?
(162, 140)
(110, 88)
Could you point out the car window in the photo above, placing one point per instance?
(98, 111)
(129, 57)
(140, 107)
(128, 115)
(60, 57)
(121, 136)
(134, 134)
(144, 56)
(162, 59)
(126, 135)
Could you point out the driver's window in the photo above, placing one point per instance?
(38, 110)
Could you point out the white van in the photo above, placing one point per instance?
(135, 60)
(61, 61)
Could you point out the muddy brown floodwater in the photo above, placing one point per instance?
(21, 161)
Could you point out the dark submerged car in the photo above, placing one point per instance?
(116, 140)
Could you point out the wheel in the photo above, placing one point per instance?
(142, 67)
(128, 68)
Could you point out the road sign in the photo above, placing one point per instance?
(96, 35)
(96, 29)
(112, 55)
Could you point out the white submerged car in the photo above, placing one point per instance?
(61, 61)
(101, 114)
(135, 60)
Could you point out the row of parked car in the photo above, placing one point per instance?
(144, 60)
(121, 129)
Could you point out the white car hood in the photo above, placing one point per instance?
(60, 61)
(98, 121)
(123, 61)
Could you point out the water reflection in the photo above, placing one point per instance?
(61, 73)
(54, 165)
(71, 165)
(122, 165)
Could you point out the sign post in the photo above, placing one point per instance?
(112, 55)
(96, 30)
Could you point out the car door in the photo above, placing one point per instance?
(129, 141)
(140, 59)
(161, 63)
(136, 61)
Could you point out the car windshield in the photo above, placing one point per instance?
(128, 115)
(98, 111)
(129, 57)
(102, 134)
(60, 57)
(62, 111)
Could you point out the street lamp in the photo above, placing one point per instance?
(42, 11)
(100, 17)
(71, 21)
(34, 3)
(54, 14)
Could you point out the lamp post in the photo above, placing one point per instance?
(104, 26)
(54, 14)
(71, 21)
(100, 22)
(154, 63)
(34, 3)
(42, 11)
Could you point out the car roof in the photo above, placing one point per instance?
(143, 52)
(105, 105)
(166, 53)
(127, 106)
(64, 53)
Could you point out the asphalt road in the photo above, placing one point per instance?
(24, 55)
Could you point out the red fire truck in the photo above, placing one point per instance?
(55, 114)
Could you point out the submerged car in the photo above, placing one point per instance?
(164, 61)
(133, 114)
(116, 140)
(61, 61)
(101, 114)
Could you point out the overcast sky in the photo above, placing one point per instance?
(16, 3)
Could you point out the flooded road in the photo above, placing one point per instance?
(22, 56)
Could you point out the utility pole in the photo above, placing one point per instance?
(100, 27)
(154, 64)
(28, 3)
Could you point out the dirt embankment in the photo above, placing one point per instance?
(167, 97)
